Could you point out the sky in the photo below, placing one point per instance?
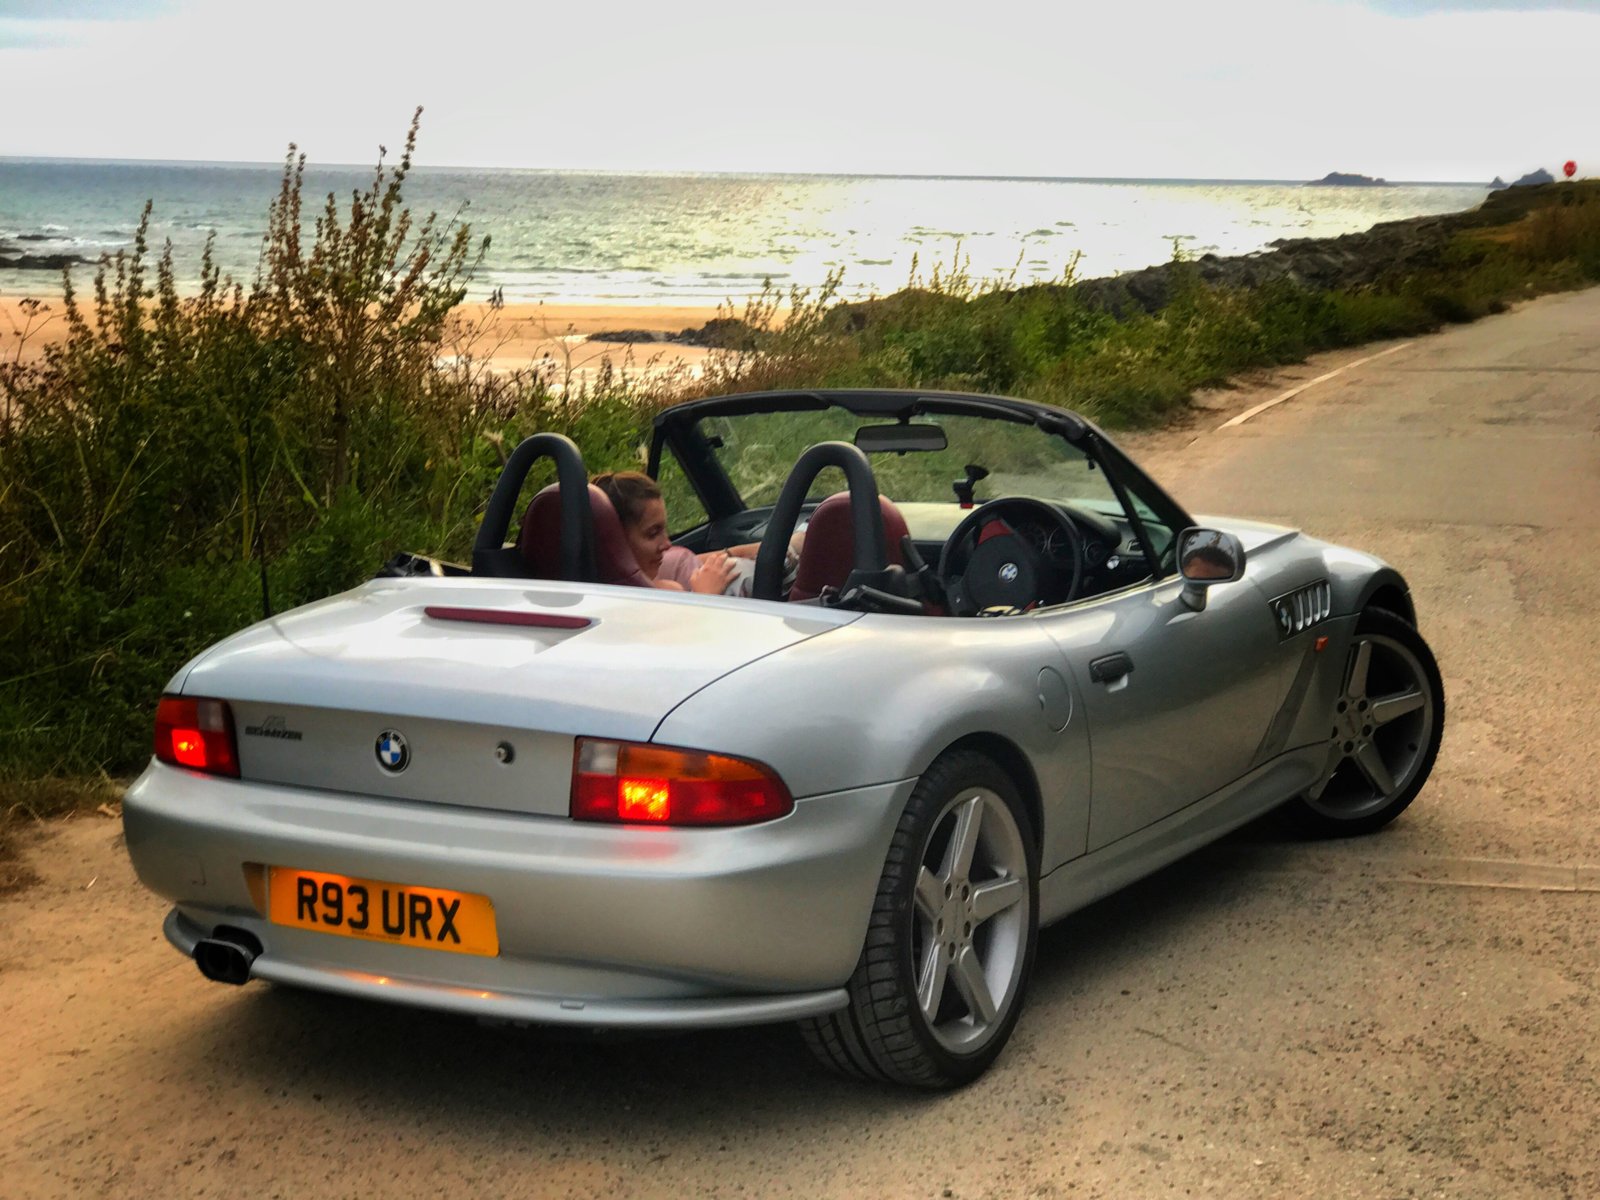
(1216, 89)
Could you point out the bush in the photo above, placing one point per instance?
(179, 459)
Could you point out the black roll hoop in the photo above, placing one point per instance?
(871, 548)
(490, 555)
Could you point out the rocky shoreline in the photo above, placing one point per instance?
(15, 258)
(1352, 260)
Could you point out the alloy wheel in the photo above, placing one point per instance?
(971, 917)
(1382, 726)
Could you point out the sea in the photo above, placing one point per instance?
(700, 239)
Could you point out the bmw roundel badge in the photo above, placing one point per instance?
(393, 753)
(1008, 572)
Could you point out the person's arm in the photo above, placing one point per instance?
(751, 549)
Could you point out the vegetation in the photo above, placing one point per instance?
(181, 465)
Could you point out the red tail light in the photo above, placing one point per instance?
(658, 785)
(196, 733)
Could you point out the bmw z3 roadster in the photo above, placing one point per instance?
(1007, 675)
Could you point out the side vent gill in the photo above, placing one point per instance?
(1302, 608)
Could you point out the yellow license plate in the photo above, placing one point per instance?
(399, 913)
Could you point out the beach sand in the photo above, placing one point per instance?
(512, 337)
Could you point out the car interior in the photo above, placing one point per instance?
(985, 547)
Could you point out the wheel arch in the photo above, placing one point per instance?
(1009, 757)
(1388, 590)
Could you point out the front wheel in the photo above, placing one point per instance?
(1384, 732)
(950, 943)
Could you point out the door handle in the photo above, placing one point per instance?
(1110, 668)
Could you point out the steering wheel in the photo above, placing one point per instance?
(1004, 567)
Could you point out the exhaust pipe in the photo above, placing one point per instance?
(226, 955)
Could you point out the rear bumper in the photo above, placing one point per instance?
(598, 925)
(667, 1013)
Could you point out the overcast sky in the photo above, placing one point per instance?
(1278, 89)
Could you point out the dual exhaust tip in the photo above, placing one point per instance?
(227, 955)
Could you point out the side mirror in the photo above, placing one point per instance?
(1207, 557)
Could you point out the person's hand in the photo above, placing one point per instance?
(716, 572)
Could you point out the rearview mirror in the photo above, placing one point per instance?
(1207, 557)
(897, 439)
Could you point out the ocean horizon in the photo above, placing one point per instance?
(700, 238)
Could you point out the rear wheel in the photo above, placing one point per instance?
(950, 943)
(1384, 732)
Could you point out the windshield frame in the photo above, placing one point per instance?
(678, 429)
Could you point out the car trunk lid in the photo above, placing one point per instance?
(421, 689)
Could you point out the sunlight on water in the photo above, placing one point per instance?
(700, 239)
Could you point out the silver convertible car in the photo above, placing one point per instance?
(1007, 675)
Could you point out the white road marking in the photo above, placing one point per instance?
(1295, 391)
(1510, 874)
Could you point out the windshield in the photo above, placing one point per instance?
(757, 451)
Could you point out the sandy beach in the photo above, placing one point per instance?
(513, 336)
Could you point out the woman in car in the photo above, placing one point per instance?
(643, 513)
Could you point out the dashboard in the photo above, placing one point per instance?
(1112, 555)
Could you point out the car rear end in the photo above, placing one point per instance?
(431, 792)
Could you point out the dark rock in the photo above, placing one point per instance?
(38, 262)
(1498, 184)
(1535, 177)
(1339, 179)
(632, 337)
(722, 333)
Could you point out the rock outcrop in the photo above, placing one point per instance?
(722, 333)
(1339, 179)
(13, 258)
(1353, 260)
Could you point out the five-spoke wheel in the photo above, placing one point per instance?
(1383, 732)
(951, 939)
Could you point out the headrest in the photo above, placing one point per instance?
(829, 553)
(540, 539)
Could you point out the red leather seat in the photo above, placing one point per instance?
(828, 554)
(540, 539)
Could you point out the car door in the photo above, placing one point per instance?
(1176, 700)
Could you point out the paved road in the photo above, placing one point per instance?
(1388, 1017)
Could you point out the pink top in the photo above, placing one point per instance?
(678, 564)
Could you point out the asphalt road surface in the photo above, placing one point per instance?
(1412, 1014)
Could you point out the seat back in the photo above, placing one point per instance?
(540, 539)
(829, 552)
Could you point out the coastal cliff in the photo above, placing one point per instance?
(1353, 260)
(1349, 261)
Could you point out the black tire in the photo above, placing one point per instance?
(984, 928)
(1376, 767)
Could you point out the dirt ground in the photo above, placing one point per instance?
(1411, 1014)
